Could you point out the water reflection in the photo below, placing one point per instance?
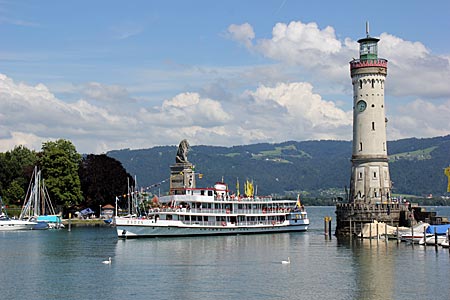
(375, 268)
(207, 267)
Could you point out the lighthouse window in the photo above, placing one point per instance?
(360, 175)
(374, 175)
(373, 125)
(360, 146)
(360, 84)
(373, 83)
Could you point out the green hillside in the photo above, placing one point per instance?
(312, 167)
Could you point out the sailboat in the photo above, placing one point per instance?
(8, 224)
(38, 207)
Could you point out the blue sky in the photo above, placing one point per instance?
(136, 74)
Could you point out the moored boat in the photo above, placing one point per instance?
(38, 207)
(8, 224)
(414, 234)
(433, 240)
(435, 235)
(192, 211)
(211, 211)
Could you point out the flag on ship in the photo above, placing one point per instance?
(298, 204)
(237, 187)
(248, 188)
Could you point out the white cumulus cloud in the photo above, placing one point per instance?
(242, 33)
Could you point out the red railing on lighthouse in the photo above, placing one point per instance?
(378, 62)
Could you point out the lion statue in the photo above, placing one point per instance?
(183, 149)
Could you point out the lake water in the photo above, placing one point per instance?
(67, 265)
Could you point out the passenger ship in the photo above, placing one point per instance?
(191, 211)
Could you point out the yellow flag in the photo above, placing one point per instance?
(447, 172)
(298, 204)
(237, 187)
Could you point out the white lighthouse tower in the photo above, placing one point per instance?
(370, 181)
(370, 184)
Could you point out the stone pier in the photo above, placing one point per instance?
(351, 217)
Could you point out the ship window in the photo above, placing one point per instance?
(210, 193)
(202, 192)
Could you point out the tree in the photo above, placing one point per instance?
(15, 192)
(16, 167)
(59, 162)
(102, 179)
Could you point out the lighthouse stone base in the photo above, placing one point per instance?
(351, 217)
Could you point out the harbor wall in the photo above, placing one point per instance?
(351, 217)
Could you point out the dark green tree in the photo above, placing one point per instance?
(15, 192)
(16, 167)
(59, 163)
(102, 179)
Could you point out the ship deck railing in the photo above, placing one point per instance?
(232, 224)
(219, 198)
(222, 211)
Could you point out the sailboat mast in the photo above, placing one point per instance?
(128, 195)
(37, 175)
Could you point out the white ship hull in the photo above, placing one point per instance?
(14, 225)
(134, 228)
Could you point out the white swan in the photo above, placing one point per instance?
(107, 262)
(286, 262)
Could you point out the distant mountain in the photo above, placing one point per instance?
(312, 167)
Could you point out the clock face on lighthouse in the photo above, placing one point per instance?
(361, 105)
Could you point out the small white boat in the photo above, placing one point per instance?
(8, 224)
(436, 234)
(431, 240)
(415, 234)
